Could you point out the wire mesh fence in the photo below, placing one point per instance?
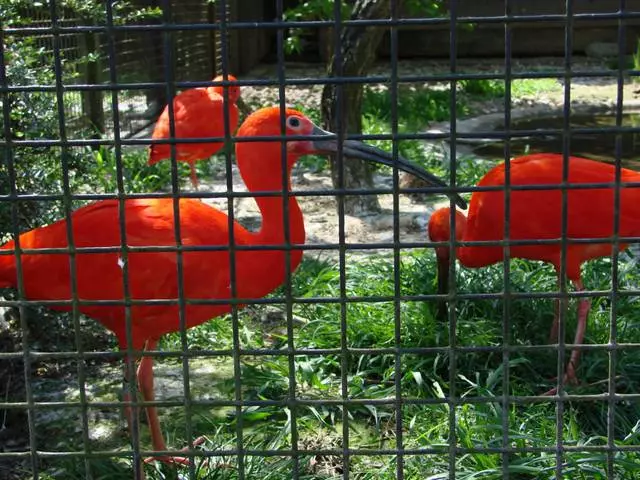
(139, 55)
(360, 348)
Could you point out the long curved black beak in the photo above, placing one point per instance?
(355, 149)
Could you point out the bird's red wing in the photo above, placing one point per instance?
(184, 105)
(151, 275)
(537, 214)
(197, 113)
(149, 223)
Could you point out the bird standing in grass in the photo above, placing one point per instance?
(206, 274)
(536, 214)
(197, 113)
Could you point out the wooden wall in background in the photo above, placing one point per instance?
(530, 38)
(536, 37)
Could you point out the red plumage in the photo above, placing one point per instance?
(537, 214)
(197, 113)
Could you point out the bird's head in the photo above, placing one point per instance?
(439, 230)
(234, 90)
(264, 157)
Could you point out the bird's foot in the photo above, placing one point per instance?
(570, 378)
(174, 460)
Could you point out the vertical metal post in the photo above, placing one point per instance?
(506, 262)
(15, 232)
(340, 199)
(615, 273)
(562, 275)
(235, 321)
(398, 373)
(131, 383)
(67, 207)
(452, 401)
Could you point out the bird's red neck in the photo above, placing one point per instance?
(277, 219)
(440, 231)
(278, 214)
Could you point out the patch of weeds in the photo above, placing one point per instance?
(99, 172)
(635, 59)
(482, 87)
(534, 86)
(425, 375)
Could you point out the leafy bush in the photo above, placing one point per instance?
(39, 169)
(32, 116)
(483, 87)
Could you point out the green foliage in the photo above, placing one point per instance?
(22, 12)
(34, 116)
(635, 58)
(417, 106)
(482, 87)
(99, 171)
(310, 10)
(534, 86)
(479, 89)
(426, 375)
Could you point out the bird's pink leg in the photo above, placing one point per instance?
(584, 305)
(194, 176)
(129, 414)
(145, 383)
(553, 334)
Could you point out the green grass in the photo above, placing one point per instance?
(485, 88)
(425, 378)
(635, 61)
(533, 86)
(417, 107)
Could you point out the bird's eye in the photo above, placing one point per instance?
(294, 122)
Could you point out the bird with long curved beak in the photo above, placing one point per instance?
(205, 240)
(328, 143)
(537, 214)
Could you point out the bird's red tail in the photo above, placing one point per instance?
(7, 266)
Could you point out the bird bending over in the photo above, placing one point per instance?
(206, 274)
(537, 214)
(197, 113)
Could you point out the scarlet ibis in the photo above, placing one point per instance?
(197, 113)
(537, 214)
(205, 274)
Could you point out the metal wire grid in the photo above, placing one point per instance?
(293, 403)
(135, 56)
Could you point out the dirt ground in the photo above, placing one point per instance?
(321, 221)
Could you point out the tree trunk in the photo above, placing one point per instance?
(359, 47)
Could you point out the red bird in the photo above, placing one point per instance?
(197, 113)
(205, 273)
(537, 214)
